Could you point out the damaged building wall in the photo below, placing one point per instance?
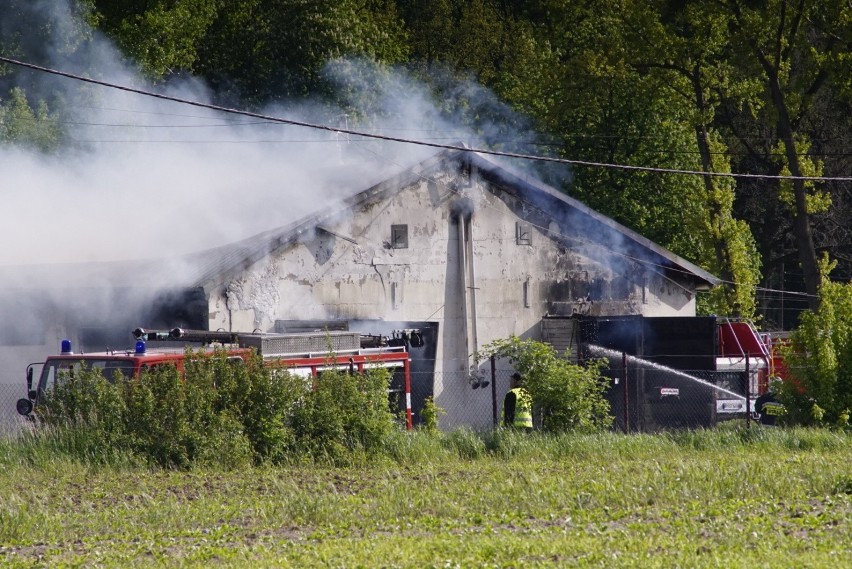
(454, 248)
(456, 244)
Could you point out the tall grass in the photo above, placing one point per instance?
(494, 498)
(42, 447)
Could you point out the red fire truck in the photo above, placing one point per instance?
(305, 354)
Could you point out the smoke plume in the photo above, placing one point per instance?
(141, 178)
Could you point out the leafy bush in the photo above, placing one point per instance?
(819, 359)
(221, 411)
(429, 415)
(566, 396)
(343, 413)
(90, 406)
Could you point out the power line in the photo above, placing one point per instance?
(226, 124)
(790, 295)
(364, 134)
(353, 132)
(434, 132)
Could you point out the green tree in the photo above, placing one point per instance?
(794, 50)
(32, 103)
(601, 104)
(266, 50)
(162, 36)
(685, 45)
(21, 125)
(819, 358)
(457, 47)
(639, 84)
(566, 396)
(253, 50)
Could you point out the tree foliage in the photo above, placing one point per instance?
(819, 358)
(254, 50)
(707, 86)
(21, 125)
(566, 396)
(162, 36)
(792, 50)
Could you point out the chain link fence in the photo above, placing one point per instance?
(647, 397)
(644, 397)
(466, 400)
(10, 421)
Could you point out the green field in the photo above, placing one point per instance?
(709, 499)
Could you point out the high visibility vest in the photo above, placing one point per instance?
(523, 409)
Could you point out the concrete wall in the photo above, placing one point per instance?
(477, 279)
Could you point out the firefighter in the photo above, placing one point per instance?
(517, 406)
(767, 406)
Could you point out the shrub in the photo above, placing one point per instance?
(566, 396)
(429, 415)
(819, 359)
(344, 412)
(260, 399)
(221, 411)
(84, 402)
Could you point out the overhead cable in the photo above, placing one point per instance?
(365, 134)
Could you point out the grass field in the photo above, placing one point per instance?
(706, 499)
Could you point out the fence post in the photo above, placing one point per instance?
(748, 392)
(626, 398)
(494, 390)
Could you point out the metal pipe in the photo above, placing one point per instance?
(406, 370)
(203, 336)
(624, 387)
(472, 287)
(494, 389)
(748, 393)
(463, 281)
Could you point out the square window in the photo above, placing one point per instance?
(399, 236)
(523, 233)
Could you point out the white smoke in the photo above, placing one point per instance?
(151, 178)
(141, 178)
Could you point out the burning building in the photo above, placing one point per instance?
(462, 248)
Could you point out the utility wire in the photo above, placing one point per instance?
(353, 132)
(795, 295)
(429, 144)
(444, 136)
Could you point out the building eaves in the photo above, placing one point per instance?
(219, 264)
(225, 262)
(628, 241)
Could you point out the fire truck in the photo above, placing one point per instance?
(304, 354)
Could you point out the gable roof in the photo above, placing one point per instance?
(619, 239)
(230, 259)
(203, 269)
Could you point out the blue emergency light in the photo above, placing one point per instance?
(140, 347)
(65, 347)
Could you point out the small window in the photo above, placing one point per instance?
(599, 290)
(523, 233)
(399, 236)
(465, 174)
